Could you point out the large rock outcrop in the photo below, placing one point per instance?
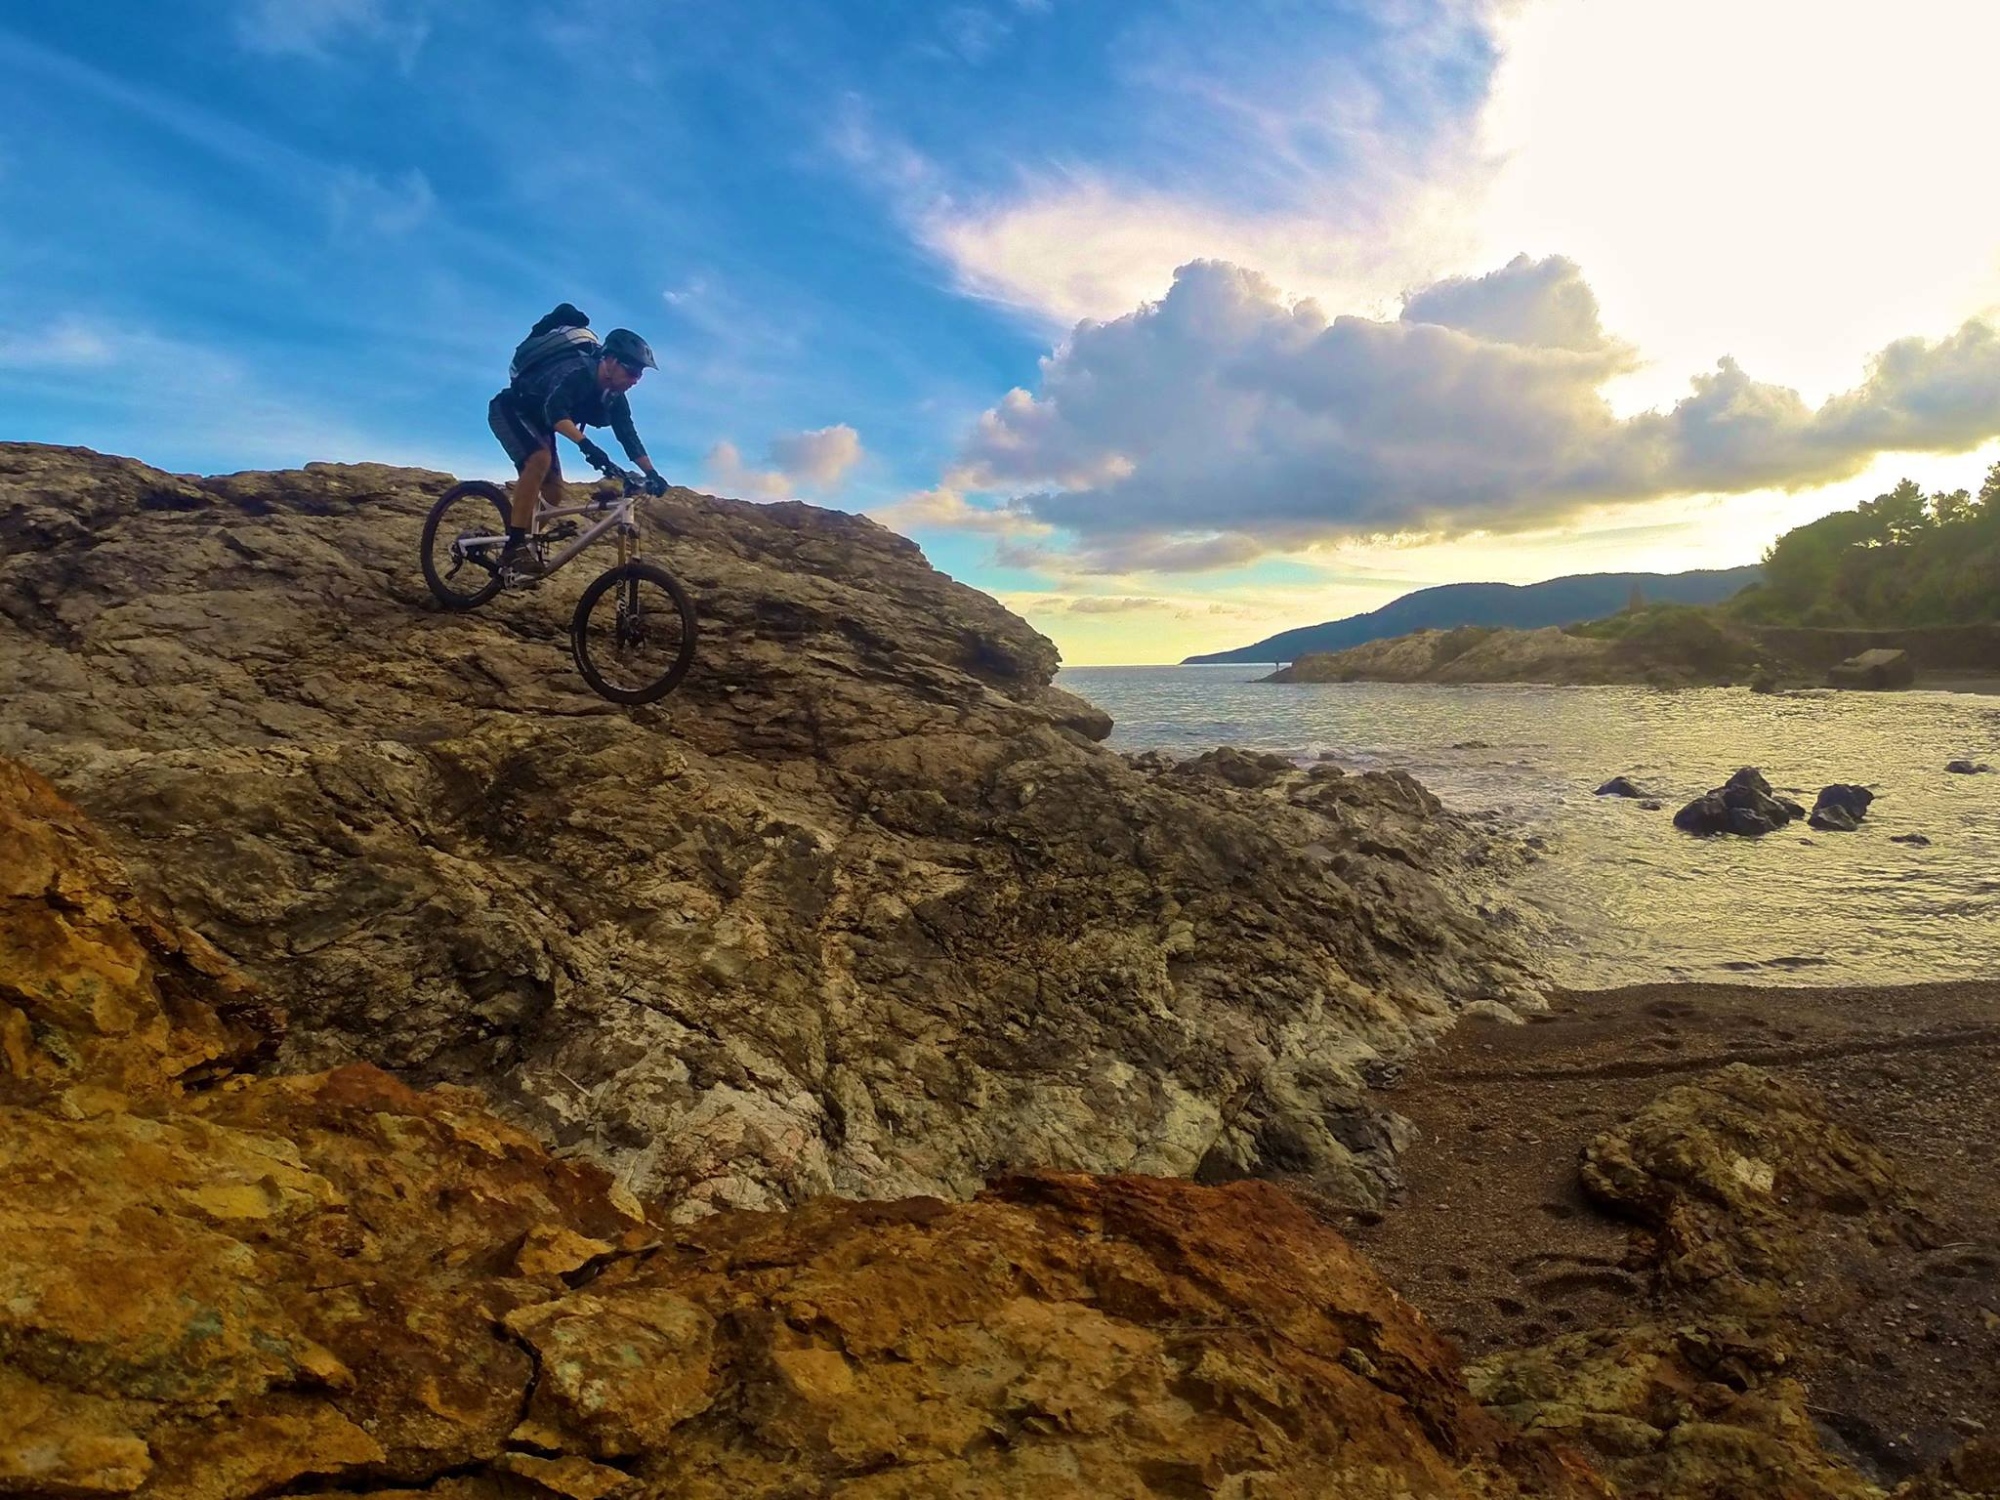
(218, 1286)
(862, 908)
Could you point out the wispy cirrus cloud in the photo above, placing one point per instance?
(139, 383)
(70, 344)
(316, 28)
(364, 203)
(1339, 164)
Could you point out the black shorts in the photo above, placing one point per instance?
(520, 437)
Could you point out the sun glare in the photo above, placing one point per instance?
(1792, 184)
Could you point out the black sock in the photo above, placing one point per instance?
(517, 533)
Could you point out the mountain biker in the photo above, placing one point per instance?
(575, 392)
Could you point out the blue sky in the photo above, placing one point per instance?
(250, 233)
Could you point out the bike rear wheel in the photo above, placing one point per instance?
(463, 536)
(633, 635)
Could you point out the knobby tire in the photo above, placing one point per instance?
(447, 590)
(579, 632)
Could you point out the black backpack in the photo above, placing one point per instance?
(561, 335)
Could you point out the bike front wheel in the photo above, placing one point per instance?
(463, 537)
(633, 635)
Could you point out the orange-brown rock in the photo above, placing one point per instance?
(96, 989)
(224, 1287)
(1062, 1335)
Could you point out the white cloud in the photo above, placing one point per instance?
(313, 28)
(946, 509)
(727, 471)
(1763, 181)
(819, 459)
(1226, 420)
(1081, 247)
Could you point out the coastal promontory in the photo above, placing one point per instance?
(850, 1077)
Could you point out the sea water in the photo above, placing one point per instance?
(1633, 899)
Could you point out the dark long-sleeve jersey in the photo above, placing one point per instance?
(578, 397)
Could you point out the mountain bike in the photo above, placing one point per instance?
(633, 633)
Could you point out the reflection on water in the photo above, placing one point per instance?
(1636, 899)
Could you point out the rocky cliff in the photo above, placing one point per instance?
(864, 908)
(219, 1286)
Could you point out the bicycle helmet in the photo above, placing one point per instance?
(631, 351)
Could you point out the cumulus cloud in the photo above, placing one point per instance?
(946, 509)
(1226, 420)
(727, 471)
(819, 459)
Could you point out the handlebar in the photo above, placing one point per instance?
(609, 467)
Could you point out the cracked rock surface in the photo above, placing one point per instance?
(218, 1285)
(863, 908)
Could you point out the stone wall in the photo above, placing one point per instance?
(1934, 648)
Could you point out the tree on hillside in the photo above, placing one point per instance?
(1801, 566)
(1899, 516)
(1901, 558)
(1989, 494)
(1953, 508)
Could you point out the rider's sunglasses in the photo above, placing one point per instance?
(635, 371)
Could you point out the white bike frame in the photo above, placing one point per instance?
(618, 514)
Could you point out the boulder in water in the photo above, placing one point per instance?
(1707, 814)
(1744, 805)
(1842, 794)
(1622, 786)
(1967, 767)
(1840, 808)
(1748, 776)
